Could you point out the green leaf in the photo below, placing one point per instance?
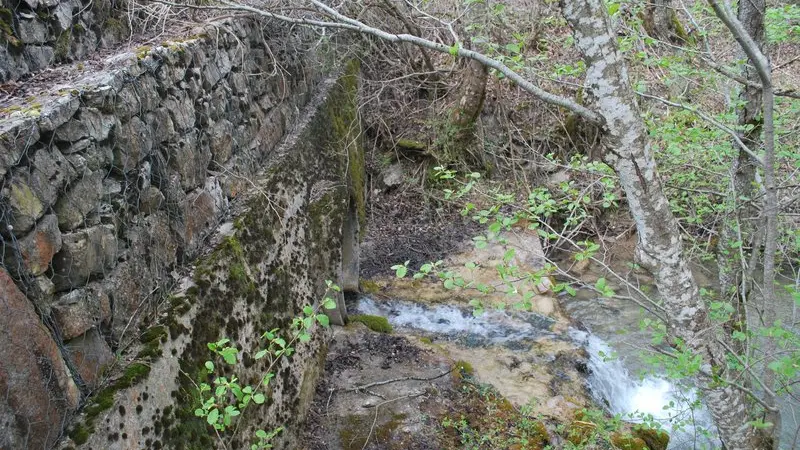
(454, 50)
(323, 320)
(570, 290)
(261, 354)
(258, 398)
(261, 434)
(401, 271)
(229, 355)
(329, 303)
(307, 310)
(613, 8)
(213, 416)
(303, 337)
(210, 366)
(199, 412)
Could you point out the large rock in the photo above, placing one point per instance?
(202, 210)
(84, 255)
(83, 198)
(80, 310)
(90, 355)
(36, 250)
(37, 392)
(16, 136)
(134, 142)
(33, 189)
(91, 123)
(190, 160)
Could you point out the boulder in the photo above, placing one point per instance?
(37, 392)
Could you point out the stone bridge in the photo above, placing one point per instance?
(167, 196)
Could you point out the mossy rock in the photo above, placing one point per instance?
(655, 439)
(369, 286)
(627, 442)
(579, 432)
(374, 323)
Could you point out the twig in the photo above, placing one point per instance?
(396, 380)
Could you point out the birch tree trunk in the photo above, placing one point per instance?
(627, 150)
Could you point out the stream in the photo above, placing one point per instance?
(612, 382)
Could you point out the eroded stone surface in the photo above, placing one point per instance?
(37, 392)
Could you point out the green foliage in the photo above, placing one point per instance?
(783, 24)
(375, 323)
(226, 398)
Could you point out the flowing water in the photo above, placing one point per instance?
(611, 381)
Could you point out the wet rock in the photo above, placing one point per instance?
(63, 15)
(80, 310)
(81, 199)
(84, 255)
(90, 356)
(38, 247)
(37, 393)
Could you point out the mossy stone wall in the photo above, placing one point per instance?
(266, 264)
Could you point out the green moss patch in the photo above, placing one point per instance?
(374, 323)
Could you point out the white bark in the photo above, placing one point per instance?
(660, 248)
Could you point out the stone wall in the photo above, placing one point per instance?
(112, 186)
(35, 34)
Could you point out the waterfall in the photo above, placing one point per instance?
(632, 398)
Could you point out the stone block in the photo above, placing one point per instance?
(90, 123)
(40, 245)
(39, 57)
(31, 190)
(134, 143)
(80, 310)
(32, 30)
(36, 388)
(181, 110)
(80, 200)
(84, 255)
(57, 113)
(220, 142)
(90, 356)
(190, 160)
(16, 136)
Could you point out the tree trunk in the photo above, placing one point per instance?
(627, 150)
(661, 22)
(460, 143)
(735, 277)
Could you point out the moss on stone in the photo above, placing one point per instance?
(374, 323)
(624, 441)
(410, 144)
(655, 439)
(80, 433)
(62, 47)
(7, 28)
(369, 286)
